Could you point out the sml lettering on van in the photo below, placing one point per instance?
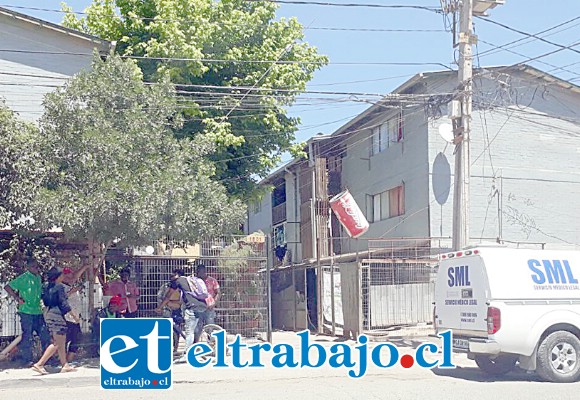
(458, 276)
(551, 271)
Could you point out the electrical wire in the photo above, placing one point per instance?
(532, 36)
(562, 47)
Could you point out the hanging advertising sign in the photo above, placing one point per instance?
(349, 214)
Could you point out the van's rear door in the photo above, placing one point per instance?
(461, 293)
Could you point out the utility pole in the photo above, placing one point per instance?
(462, 126)
(462, 157)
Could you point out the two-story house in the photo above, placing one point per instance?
(36, 57)
(397, 162)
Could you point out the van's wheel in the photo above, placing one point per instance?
(500, 365)
(558, 357)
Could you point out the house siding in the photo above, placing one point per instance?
(525, 149)
(31, 72)
(402, 163)
(533, 158)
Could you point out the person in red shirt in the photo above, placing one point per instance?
(213, 288)
(127, 290)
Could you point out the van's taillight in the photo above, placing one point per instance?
(493, 320)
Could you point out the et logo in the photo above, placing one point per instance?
(136, 353)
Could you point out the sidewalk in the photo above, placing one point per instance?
(88, 372)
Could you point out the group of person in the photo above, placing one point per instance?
(190, 300)
(52, 310)
(57, 323)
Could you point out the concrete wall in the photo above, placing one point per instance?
(525, 147)
(260, 218)
(402, 163)
(28, 73)
(525, 185)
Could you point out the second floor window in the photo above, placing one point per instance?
(279, 194)
(384, 135)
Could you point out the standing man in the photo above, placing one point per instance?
(128, 291)
(194, 307)
(26, 289)
(73, 328)
(213, 289)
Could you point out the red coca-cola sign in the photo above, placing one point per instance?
(349, 214)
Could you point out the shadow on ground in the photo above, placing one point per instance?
(474, 374)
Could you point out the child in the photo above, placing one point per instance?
(113, 310)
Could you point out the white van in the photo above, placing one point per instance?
(508, 305)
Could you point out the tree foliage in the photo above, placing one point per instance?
(114, 170)
(21, 167)
(249, 48)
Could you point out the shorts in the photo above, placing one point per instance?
(55, 322)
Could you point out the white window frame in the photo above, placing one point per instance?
(390, 131)
(379, 205)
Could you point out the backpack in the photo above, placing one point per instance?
(197, 288)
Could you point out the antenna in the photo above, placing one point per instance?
(446, 132)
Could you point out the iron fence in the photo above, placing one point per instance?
(241, 269)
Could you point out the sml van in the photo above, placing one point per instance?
(508, 306)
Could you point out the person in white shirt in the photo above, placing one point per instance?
(72, 288)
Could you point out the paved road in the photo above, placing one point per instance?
(464, 382)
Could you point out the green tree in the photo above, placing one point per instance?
(115, 171)
(21, 167)
(249, 49)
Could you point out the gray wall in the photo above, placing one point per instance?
(534, 159)
(26, 77)
(525, 153)
(261, 220)
(404, 162)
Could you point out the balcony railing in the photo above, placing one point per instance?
(279, 214)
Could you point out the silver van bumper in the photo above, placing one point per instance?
(483, 346)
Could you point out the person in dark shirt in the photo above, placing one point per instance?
(194, 308)
(55, 300)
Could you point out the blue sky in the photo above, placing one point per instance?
(365, 48)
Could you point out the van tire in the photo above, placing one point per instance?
(500, 365)
(560, 349)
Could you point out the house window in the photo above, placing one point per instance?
(397, 201)
(387, 204)
(392, 131)
(279, 194)
(380, 138)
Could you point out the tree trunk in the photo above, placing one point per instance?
(97, 252)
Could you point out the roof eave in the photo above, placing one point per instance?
(104, 44)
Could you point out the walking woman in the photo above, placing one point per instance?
(55, 299)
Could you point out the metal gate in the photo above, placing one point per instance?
(398, 283)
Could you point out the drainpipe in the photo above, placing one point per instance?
(295, 244)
